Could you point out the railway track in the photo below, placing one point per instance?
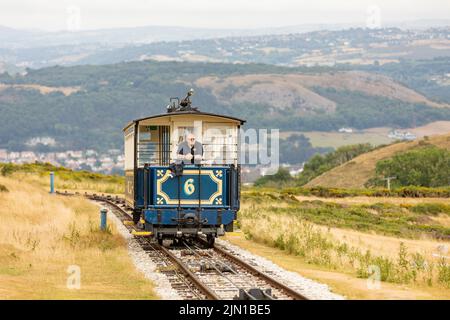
(197, 272)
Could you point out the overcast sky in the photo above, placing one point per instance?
(96, 14)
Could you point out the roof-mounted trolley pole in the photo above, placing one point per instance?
(183, 105)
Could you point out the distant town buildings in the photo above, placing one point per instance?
(46, 141)
(108, 162)
(112, 161)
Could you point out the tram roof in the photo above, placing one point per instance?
(181, 113)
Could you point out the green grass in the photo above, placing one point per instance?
(290, 227)
(65, 179)
(383, 218)
(41, 235)
(63, 173)
(404, 192)
(431, 208)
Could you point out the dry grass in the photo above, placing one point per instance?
(374, 200)
(41, 235)
(429, 129)
(65, 179)
(69, 185)
(418, 262)
(385, 245)
(374, 136)
(341, 282)
(355, 173)
(406, 219)
(337, 139)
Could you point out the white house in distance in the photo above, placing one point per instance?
(345, 130)
(400, 135)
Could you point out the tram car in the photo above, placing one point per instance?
(174, 197)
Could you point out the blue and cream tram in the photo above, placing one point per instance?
(174, 200)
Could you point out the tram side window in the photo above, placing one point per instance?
(129, 148)
(148, 145)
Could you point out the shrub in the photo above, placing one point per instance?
(282, 177)
(404, 192)
(444, 272)
(431, 208)
(7, 169)
(428, 166)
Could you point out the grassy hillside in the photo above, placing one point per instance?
(44, 237)
(65, 179)
(337, 240)
(283, 90)
(338, 139)
(355, 173)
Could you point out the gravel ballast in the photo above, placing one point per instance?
(311, 289)
(144, 263)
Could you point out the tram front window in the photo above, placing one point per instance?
(190, 151)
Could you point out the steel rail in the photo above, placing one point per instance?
(273, 282)
(179, 276)
(220, 272)
(184, 269)
(208, 292)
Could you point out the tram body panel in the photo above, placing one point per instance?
(205, 198)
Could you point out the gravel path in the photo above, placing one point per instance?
(309, 288)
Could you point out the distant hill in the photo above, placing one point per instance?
(287, 46)
(153, 33)
(87, 106)
(16, 38)
(355, 173)
(11, 37)
(297, 90)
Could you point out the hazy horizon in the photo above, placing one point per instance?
(386, 24)
(84, 15)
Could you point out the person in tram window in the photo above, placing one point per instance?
(190, 151)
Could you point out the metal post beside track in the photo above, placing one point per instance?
(103, 223)
(52, 182)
